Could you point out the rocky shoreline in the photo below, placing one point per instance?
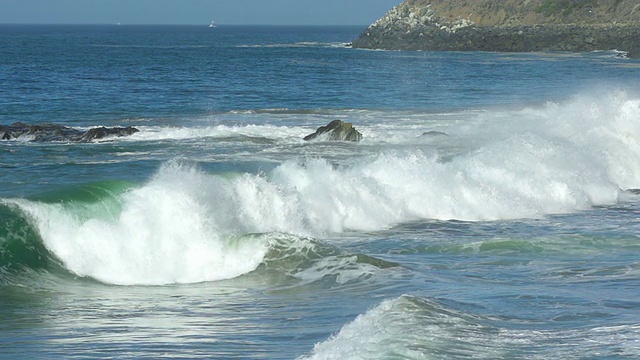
(60, 133)
(413, 28)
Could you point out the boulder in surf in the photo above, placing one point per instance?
(337, 130)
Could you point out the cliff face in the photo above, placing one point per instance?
(508, 25)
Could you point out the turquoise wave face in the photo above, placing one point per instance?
(20, 245)
(117, 233)
(99, 191)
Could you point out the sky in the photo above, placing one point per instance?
(231, 12)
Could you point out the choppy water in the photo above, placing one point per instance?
(490, 211)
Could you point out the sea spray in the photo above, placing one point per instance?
(496, 164)
(177, 227)
(599, 129)
(489, 184)
(186, 225)
(608, 124)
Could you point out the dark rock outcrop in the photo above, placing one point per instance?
(491, 25)
(60, 133)
(337, 130)
(102, 132)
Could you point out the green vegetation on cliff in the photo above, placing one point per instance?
(532, 12)
(563, 7)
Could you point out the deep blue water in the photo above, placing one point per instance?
(508, 232)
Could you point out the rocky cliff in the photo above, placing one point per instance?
(507, 25)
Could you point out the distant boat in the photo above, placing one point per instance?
(213, 24)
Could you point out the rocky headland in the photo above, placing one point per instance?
(508, 25)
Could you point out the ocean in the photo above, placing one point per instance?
(491, 210)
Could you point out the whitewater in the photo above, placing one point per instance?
(490, 210)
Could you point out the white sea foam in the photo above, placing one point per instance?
(493, 165)
(301, 44)
(155, 133)
(183, 226)
(511, 164)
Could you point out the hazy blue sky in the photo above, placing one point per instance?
(285, 12)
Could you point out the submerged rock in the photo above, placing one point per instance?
(433, 133)
(337, 130)
(60, 133)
